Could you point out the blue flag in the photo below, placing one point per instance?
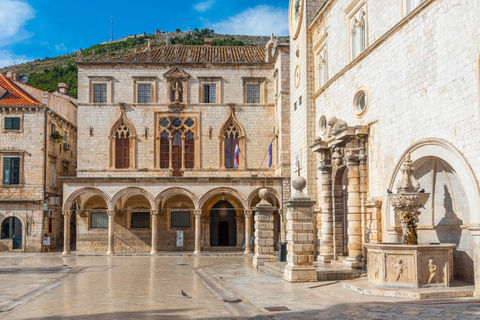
(271, 154)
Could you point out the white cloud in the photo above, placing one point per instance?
(204, 5)
(7, 58)
(260, 20)
(14, 14)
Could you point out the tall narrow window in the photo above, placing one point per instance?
(189, 150)
(144, 93)
(231, 136)
(322, 68)
(177, 153)
(253, 93)
(122, 147)
(99, 93)
(11, 170)
(209, 93)
(362, 33)
(164, 150)
(353, 39)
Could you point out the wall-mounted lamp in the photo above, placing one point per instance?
(45, 206)
(223, 196)
(91, 130)
(146, 132)
(210, 132)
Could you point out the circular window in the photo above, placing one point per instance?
(360, 103)
(297, 76)
(322, 125)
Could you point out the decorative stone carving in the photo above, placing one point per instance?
(432, 270)
(177, 80)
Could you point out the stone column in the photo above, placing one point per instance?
(355, 251)
(111, 230)
(300, 236)
(475, 233)
(206, 232)
(154, 214)
(263, 231)
(248, 230)
(66, 232)
(198, 231)
(326, 252)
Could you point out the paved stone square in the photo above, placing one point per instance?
(47, 286)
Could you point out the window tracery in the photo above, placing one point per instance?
(231, 135)
(122, 143)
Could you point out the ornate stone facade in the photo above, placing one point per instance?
(182, 112)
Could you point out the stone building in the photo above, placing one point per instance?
(157, 138)
(37, 146)
(372, 81)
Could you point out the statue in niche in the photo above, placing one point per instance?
(399, 268)
(432, 269)
(177, 92)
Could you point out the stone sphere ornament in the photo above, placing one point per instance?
(264, 194)
(299, 183)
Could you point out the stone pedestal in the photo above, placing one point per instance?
(263, 231)
(300, 236)
(410, 266)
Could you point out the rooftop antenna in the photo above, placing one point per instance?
(111, 28)
(166, 38)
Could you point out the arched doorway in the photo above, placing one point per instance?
(223, 225)
(12, 229)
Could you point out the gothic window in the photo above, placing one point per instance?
(177, 144)
(164, 150)
(322, 68)
(358, 31)
(232, 134)
(189, 150)
(122, 147)
(353, 39)
(362, 32)
(122, 144)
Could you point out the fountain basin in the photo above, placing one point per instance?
(410, 266)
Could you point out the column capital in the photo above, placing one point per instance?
(248, 213)
(198, 213)
(111, 213)
(154, 212)
(67, 213)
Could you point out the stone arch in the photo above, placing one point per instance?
(174, 191)
(272, 191)
(67, 205)
(22, 220)
(228, 191)
(444, 150)
(133, 191)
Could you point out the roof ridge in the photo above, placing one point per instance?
(18, 96)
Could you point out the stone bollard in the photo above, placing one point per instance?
(300, 236)
(263, 231)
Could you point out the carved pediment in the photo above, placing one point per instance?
(176, 73)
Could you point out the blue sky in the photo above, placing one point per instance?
(31, 29)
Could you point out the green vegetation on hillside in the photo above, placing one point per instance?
(49, 79)
(198, 38)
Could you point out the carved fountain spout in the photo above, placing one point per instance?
(408, 201)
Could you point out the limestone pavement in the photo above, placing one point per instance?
(219, 287)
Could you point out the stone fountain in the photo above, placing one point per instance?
(409, 265)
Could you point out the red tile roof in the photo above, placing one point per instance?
(15, 95)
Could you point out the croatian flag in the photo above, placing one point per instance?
(270, 152)
(237, 155)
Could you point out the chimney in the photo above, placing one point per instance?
(209, 42)
(62, 88)
(12, 75)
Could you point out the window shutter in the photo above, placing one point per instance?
(15, 123)
(15, 164)
(126, 153)
(118, 153)
(8, 123)
(6, 170)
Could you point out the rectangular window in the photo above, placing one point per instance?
(65, 170)
(12, 123)
(11, 170)
(52, 174)
(253, 93)
(300, 101)
(180, 219)
(144, 93)
(65, 136)
(99, 220)
(295, 106)
(99, 93)
(52, 129)
(209, 93)
(140, 220)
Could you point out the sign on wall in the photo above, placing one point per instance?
(179, 238)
